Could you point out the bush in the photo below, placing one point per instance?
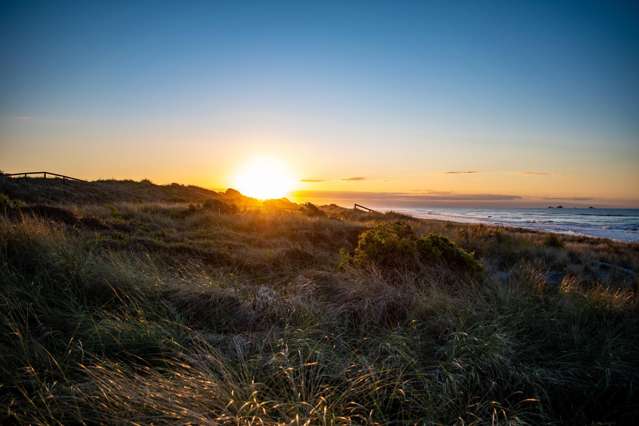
(435, 249)
(394, 246)
(387, 245)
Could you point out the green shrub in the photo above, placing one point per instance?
(387, 245)
(394, 245)
(435, 249)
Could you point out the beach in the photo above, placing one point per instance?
(614, 224)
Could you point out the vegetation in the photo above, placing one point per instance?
(393, 247)
(552, 240)
(310, 209)
(164, 313)
(435, 249)
(388, 245)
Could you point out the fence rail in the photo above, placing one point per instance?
(364, 208)
(44, 175)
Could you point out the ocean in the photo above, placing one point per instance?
(616, 224)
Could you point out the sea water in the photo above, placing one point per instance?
(616, 224)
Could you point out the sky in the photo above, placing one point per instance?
(438, 101)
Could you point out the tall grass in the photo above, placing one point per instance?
(97, 327)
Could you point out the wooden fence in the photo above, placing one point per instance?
(364, 208)
(44, 175)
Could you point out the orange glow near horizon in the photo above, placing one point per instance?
(264, 178)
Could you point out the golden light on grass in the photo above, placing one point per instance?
(264, 178)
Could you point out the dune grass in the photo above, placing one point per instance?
(169, 313)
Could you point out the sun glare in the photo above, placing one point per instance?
(264, 178)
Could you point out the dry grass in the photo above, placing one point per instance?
(164, 313)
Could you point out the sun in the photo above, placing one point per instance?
(264, 178)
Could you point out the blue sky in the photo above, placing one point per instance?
(539, 98)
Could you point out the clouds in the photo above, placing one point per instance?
(425, 199)
(569, 198)
(431, 192)
(408, 199)
(346, 179)
(535, 173)
(449, 172)
(461, 197)
(525, 172)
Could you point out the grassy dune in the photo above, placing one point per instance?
(220, 309)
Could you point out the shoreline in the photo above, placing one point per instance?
(618, 236)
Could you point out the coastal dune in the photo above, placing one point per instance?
(218, 308)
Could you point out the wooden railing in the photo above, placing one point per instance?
(364, 208)
(44, 175)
